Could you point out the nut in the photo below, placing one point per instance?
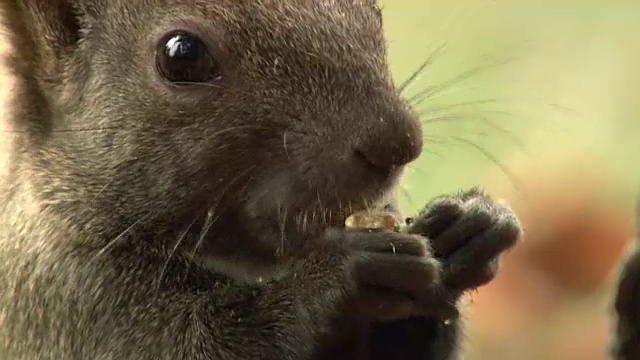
(372, 221)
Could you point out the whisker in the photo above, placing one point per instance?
(210, 219)
(485, 121)
(104, 187)
(413, 167)
(171, 253)
(350, 206)
(529, 101)
(436, 139)
(297, 220)
(208, 223)
(305, 220)
(442, 118)
(455, 18)
(216, 86)
(429, 91)
(515, 180)
(115, 240)
(416, 73)
(432, 152)
(366, 203)
(428, 118)
(440, 108)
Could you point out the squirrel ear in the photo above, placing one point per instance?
(43, 33)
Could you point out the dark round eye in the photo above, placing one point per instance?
(184, 58)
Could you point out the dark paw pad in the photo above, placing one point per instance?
(468, 233)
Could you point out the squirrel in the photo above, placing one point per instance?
(625, 340)
(178, 177)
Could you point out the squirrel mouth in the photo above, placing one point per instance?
(354, 216)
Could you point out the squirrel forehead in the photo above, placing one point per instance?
(337, 30)
(330, 31)
(344, 13)
(302, 23)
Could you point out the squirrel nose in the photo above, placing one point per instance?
(392, 142)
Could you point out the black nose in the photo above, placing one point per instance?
(390, 142)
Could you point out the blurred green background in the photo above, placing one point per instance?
(536, 101)
(571, 82)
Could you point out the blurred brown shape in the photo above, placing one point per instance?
(575, 234)
(581, 252)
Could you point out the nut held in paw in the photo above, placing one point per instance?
(372, 221)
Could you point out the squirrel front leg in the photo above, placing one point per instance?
(467, 233)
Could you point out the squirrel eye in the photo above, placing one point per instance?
(184, 58)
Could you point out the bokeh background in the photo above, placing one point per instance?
(537, 102)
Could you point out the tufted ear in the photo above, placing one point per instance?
(42, 34)
(42, 39)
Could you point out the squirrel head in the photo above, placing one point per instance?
(257, 110)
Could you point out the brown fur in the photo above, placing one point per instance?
(143, 221)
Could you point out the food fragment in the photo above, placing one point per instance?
(372, 221)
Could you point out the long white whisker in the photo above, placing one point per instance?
(115, 240)
(208, 223)
(173, 250)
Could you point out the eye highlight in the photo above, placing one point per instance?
(184, 59)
